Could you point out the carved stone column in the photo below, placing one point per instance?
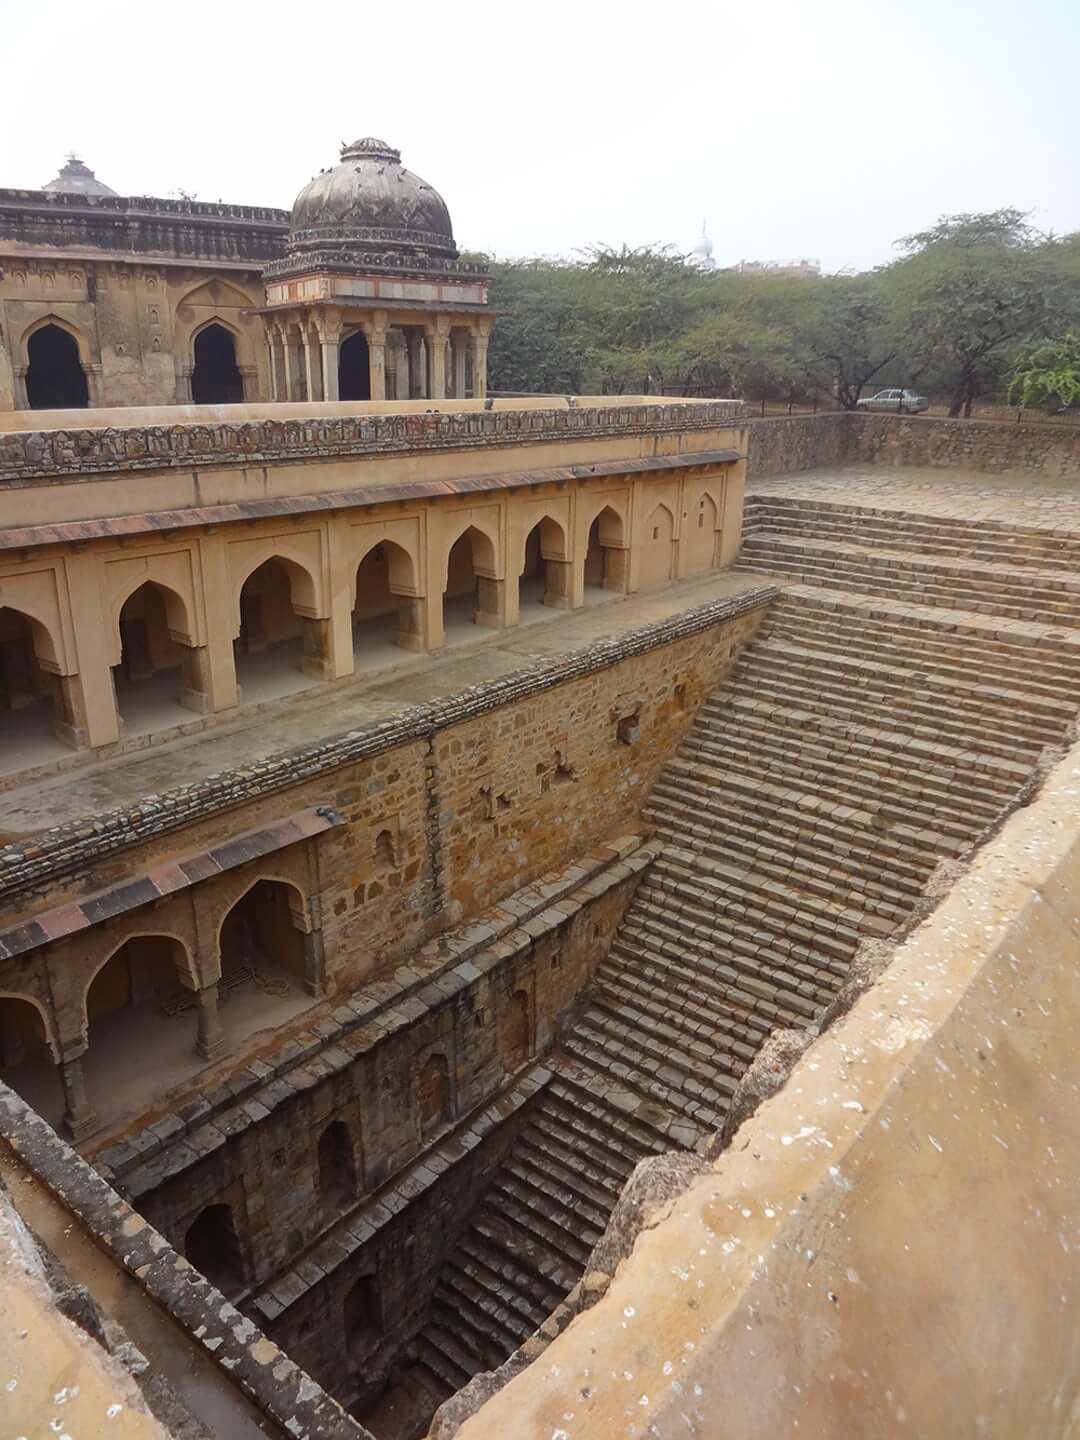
(94, 386)
(417, 388)
(435, 337)
(480, 348)
(211, 1039)
(459, 343)
(376, 340)
(312, 364)
(79, 1116)
(183, 385)
(330, 339)
(249, 380)
(271, 351)
(22, 399)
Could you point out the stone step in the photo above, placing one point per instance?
(706, 998)
(473, 1316)
(803, 770)
(527, 1250)
(445, 1358)
(578, 1144)
(965, 664)
(902, 674)
(576, 1169)
(593, 1045)
(716, 826)
(520, 1205)
(623, 1134)
(842, 754)
(695, 1052)
(787, 681)
(840, 702)
(533, 1294)
(867, 580)
(566, 1199)
(1002, 773)
(640, 988)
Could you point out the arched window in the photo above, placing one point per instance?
(55, 379)
(354, 374)
(337, 1175)
(363, 1318)
(433, 1095)
(212, 1246)
(216, 380)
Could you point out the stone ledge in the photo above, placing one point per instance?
(349, 1232)
(64, 849)
(441, 969)
(36, 456)
(283, 1392)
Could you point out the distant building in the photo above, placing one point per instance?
(779, 267)
(701, 256)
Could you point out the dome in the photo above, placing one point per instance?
(77, 179)
(370, 202)
(701, 254)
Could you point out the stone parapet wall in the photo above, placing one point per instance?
(288, 1401)
(787, 444)
(780, 445)
(50, 455)
(990, 446)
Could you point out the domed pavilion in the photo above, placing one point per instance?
(371, 301)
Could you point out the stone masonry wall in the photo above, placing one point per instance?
(786, 444)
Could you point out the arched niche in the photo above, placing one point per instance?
(471, 593)
(215, 375)
(605, 554)
(701, 530)
(281, 642)
(157, 672)
(544, 578)
(354, 368)
(657, 558)
(36, 701)
(55, 376)
(212, 1245)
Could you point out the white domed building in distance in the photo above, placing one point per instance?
(701, 255)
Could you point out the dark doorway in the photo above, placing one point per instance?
(337, 1181)
(354, 375)
(55, 379)
(215, 379)
(212, 1247)
(363, 1318)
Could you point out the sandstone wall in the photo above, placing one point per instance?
(787, 444)
(780, 445)
(1041, 448)
(888, 1246)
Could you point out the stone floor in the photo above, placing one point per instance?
(476, 654)
(967, 495)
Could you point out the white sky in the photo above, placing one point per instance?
(796, 127)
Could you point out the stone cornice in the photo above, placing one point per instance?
(34, 456)
(28, 865)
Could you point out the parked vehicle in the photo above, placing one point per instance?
(903, 401)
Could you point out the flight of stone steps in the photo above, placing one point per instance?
(861, 738)
(1021, 573)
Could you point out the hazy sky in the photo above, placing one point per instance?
(795, 127)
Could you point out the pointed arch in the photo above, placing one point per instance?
(179, 615)
(303, 586)
(57, 358)
(78, 335)
(604, 560)
(215, 374)
(483, 544)
(44, 1019)
(657, 558)
(700, 531)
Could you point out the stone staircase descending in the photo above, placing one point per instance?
(865, 735)
(1021, 573)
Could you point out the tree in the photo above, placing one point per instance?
(971, 288)
(851, 334)
(1048, 373)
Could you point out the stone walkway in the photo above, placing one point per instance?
(1004, 499)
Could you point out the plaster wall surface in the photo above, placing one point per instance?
(887, 1245)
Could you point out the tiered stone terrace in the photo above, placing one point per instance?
(923, 655)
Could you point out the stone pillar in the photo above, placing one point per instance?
(22, 399)
(459, 343)
(490, 602)
(196, 686)
(94, 386)
(412, 623)
(329, 365)
(79, 1117)
(314, 963)
(249, 381)
(480, 346)
(312, 364)
(271, 351)
(183, 385)
(211, 1039)
(417, 388)
(558, 584)
(376, 341)
(93, 647)
(219, 674)
(435, 340)
(290, 365)
(69, 708)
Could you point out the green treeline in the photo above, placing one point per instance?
(978, 305)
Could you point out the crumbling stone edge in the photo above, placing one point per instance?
(275, 1384)
(64, 848)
